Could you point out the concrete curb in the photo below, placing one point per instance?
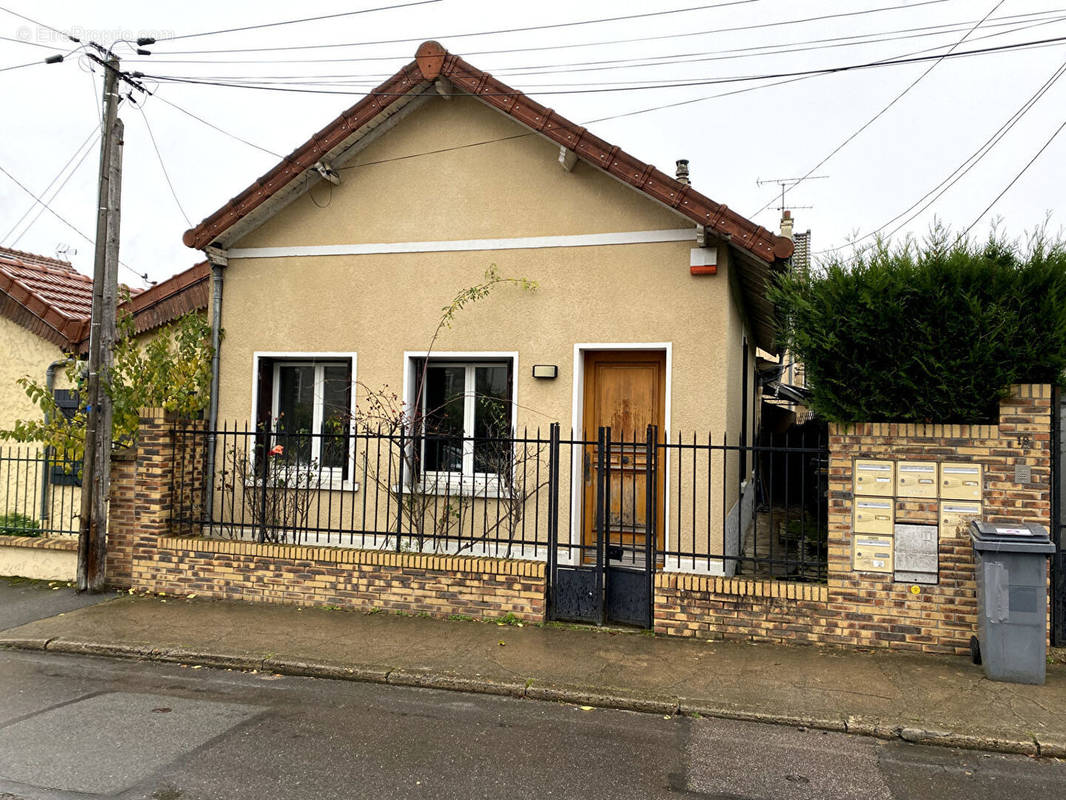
(1052, 746)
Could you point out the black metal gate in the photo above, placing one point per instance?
(1058, 519)
(609, 576)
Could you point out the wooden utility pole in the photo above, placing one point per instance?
(96, 469)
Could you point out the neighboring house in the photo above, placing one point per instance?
(45, 307)
(44, 315)
(337, 262)
(782, 379)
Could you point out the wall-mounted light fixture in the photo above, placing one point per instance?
(549, 371)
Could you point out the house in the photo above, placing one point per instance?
(45, 307)
(336, 264)
(44, 315)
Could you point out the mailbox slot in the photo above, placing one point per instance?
(871, 553)
(954, 513)
(876, 478)
(874, 515)
(916, 479)
(961, 481)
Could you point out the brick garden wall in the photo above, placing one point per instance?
(143, 553)
(869, 609)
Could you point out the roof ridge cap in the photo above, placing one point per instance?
(23, 255)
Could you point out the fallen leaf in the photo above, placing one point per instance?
(503, 643)
(191, 596)
(196, 666)
(586, 708)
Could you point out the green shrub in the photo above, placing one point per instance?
(14, 524)
(930, 332)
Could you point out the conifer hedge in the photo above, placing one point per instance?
(926, 332)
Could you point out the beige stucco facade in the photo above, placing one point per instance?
(21, 486)
(383, 305)
(24, 355)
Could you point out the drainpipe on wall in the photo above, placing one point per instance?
(49, 383)
(218, 259)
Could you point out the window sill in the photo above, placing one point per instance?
(484, 489)
(327, 485)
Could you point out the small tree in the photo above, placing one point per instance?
(172, 371)
(423, 511)
(927, 332)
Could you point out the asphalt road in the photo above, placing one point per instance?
(23, 601)
(78, 727)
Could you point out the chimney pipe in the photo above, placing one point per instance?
(786, 224)
(682, 170)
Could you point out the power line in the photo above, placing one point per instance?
(92, 134)
(1016, 178)
(163, 167)
(22, 66)
(224, 132)
(755, 26)
(891, 103)
(55, 194)
(32, 21)
(295, 21)
(70, 225)
(24, 41)
(1016, 24)
(960, 171)
(632, 88)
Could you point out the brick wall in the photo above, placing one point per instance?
(360, 579)
(144, 554)
(870, 609)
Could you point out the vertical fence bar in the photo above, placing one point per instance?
(651, 512)
(553, 513)
(399, 488)
(601, 514)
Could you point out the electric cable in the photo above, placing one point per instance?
(885, 109)
(224, 132)
(54, 213)
(55, 194)
(92, 135)
(293, 21)
(1015, 25)
(755, 26)
(1015, 179)
(601, 90)
(938, 191)
(162, 166)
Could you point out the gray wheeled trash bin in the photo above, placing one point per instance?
(1011, 565)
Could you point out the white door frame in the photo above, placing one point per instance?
(577, 415)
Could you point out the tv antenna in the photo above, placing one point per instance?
(786, 184)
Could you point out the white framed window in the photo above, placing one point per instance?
(305, 403)
(463, 414)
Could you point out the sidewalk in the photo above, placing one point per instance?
(928, 699)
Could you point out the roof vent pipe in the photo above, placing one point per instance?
(682, 171)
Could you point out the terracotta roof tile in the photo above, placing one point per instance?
(433, 61)
(52, 299)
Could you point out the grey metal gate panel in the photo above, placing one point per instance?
(614, 582)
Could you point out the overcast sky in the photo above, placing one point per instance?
(733, 141)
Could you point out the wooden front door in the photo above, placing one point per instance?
(625, 390)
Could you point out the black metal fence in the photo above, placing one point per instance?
(530, 495)
(40, 492)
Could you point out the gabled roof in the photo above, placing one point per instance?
(433, 62)
(45, 295)
(53, 300)
(436, 71)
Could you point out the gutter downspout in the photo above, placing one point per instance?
(219, 260)
(49, 383)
